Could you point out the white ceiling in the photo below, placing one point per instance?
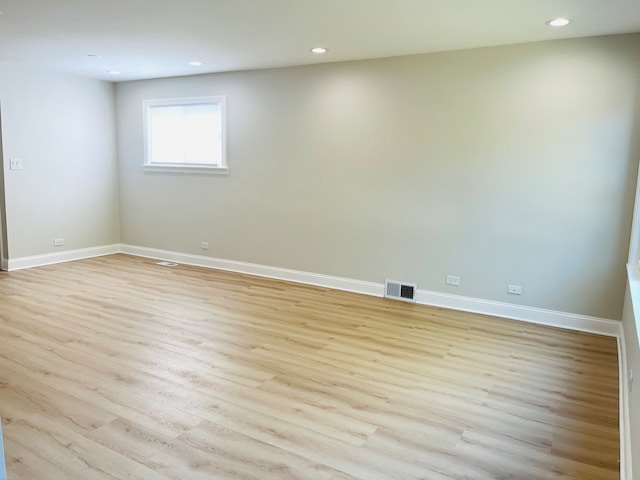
(156, 38)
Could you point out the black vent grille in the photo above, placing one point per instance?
(400, 290)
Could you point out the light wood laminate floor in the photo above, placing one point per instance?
(116, 368)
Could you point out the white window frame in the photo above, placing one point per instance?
(633, 261)
(634, 243)
(188, 168)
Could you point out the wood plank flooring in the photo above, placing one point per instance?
(116, 368)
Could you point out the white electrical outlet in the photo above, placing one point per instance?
(58, 242)
(514, 289)
(453, 280)
(204, 245)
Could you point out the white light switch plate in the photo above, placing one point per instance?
(15, 164)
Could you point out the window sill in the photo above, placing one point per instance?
(186, 169)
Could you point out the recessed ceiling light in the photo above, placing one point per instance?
(558, 22)
(196, 63)
(319, 50)
(113, 72)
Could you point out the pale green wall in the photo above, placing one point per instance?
(501, 165)
(63, 129)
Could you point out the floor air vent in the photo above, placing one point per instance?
(167, 264)
(400, 290)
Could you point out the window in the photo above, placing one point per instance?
(185, 135)
(634, 243)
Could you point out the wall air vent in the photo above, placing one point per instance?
(400, 290)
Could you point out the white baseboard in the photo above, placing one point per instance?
(541, 316)
(328, 281)
(3, 470)
(553, 318)
(625, 420)
(60, 257)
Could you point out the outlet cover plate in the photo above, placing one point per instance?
(453, 280)
(514, 289)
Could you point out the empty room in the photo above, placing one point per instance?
(350, 239)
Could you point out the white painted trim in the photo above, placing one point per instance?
(185, 169)
(180, 167)
(327, 281)
(60, 257)
(625, 420)
(3, 470)
(633, 277)
(634, 244)
(541, 316)
(570, 321)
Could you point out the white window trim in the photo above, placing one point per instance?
(633, 261)
(185, 168)
(634, 243)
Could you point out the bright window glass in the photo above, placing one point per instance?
(185, 132)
